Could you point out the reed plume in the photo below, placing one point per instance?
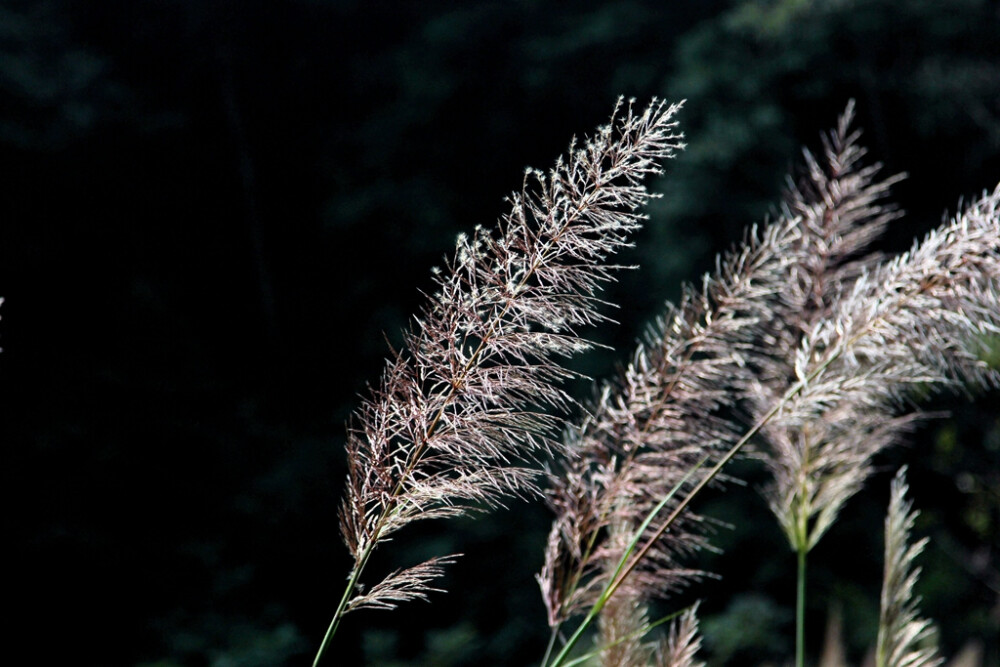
(918, 321)
(462, 410)
(670, 408)
(674, 405)
(841, 205)
(682, 643)
(824, 340)
(904, 639)
(641, 448)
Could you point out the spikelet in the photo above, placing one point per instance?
(904, 639)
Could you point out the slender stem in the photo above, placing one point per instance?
(330, 631)
(571, 642)
(552, 644)
(359, 566)
(617, 576)
(802, 543)
(624, 571)
(800, 611)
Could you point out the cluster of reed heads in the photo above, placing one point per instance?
(802, 346)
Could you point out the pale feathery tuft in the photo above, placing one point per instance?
(676, 401)
(670, 408)
(841, 204)
(681, 645)
(826, 341)
(465, 407)
(904, 639)
(413, 583)
(918, 322)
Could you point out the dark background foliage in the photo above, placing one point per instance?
(215, 212)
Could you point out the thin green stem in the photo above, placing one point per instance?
(344, 599)
(800, 611)
(618, 575)
(552, 644)
(571, 642)
(622, 571)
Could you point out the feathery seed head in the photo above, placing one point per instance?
(462, 409)
(904, 640)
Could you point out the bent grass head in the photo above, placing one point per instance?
(463, 409)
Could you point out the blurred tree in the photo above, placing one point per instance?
(55, 89)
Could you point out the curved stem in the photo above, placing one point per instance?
(330, 631)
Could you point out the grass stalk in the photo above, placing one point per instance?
(800, 609)
(342, 606)
(620, 570)
(802, 543)
(551, 646)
